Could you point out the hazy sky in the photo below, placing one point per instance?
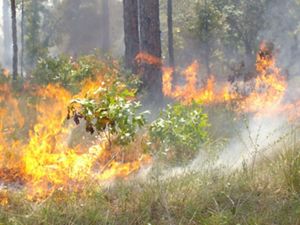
(1, 24)
(1, 12)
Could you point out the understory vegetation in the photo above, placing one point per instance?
(267, 195)
(149, 112)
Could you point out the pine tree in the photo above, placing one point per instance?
(7, 39)
(131, 33)
(170, 34)
(14, 38)
(105, 22)
(151, 44)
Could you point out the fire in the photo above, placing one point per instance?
(270, 87)
(43, 161)
(34, 134)
(148, 59)
(3, 197)
(191, 91)
(5, 72)
(265, 93)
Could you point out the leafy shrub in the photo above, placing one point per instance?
(179, 132)
(110, 111)
(66, 70)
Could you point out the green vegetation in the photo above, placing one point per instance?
(179, 132)
(64, 84)
(110, 111)
(269, 196)
(66, 71)
(265, 194)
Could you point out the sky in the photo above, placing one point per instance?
(1, 2)
(1, 33)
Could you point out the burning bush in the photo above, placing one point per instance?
(110, 111)
(34, 133)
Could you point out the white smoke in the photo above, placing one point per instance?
(260, 138)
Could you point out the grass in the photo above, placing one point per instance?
(264, 193)
(270, 195)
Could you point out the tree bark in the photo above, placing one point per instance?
(6, 33)
(131, 33)
(105, 26)
(22, 37)
(207, 60)
(207, 44)
(170, 34)
(151, 44)
(14, 37)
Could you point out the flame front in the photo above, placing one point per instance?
(34, 148)
(260, 96)
(43, 160)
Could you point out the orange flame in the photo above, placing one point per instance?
(267, 90)
(144, 57)
(44, 160)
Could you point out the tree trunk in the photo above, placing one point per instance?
(250, 71)
(207, 60)
(131, 33)
(105, 26)
(14, 38)
(22, 38)
(33, 21)
(207, 44)
(170, 34)
(151, 44)
(6, 33)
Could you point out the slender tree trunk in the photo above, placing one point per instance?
(6, 33)
(72, 15)
(207, 60)
(22, 38)
(33, 40)
(250, 71)
(131, 33)
(207, 45)
(151, 44)
(105, 26)
(170, 34)
(14, 37)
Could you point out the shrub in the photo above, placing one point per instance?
(111, 111)
(179, 132)
(66, 70)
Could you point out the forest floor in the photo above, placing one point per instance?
(268, 193)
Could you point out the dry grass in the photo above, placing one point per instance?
(268, 196)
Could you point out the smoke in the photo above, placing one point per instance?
(282, 28)
(260, 138)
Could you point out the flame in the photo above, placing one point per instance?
(5, 72)
(270, 87)
(190, 91)
(34, 149)
(4, 197)
(264, 94)
(148, 59)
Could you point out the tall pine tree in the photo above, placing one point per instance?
(151, 44)
(131, 33)
(14, 38)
